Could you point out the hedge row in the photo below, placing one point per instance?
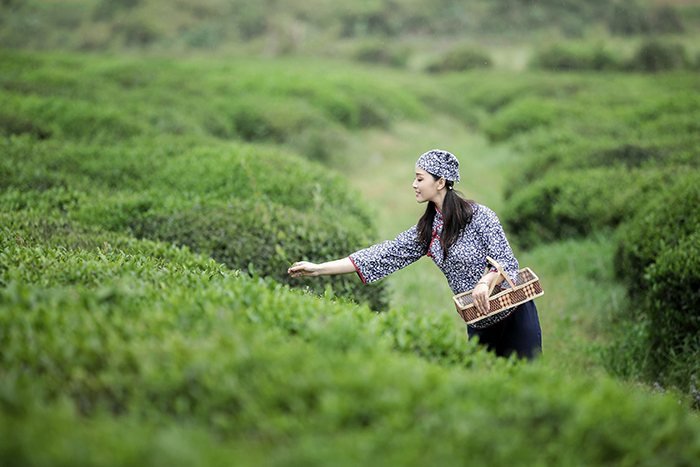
(76, 149)
(659, 260)
(206, 364)
(650, 56)
(256, 235)
(594, 148)
(181, 168)
(579, 203)
(301, 104)
(666, 220)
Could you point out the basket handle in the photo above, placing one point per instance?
(500, 269)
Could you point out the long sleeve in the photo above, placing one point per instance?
(378, 261)
(496, 243)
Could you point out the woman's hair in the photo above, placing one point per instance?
(457, 213)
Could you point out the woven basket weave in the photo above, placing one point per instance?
(528, 287)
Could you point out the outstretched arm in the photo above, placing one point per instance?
(305, 268)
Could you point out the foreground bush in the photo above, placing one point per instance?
(672, 304)
(659, 260)
(197, 361)
(667, 219)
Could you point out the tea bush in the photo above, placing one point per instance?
(665, 221)
(249, 100)
(375, 51)
(461, 58)
(520, 116)
(263, 237)
(673, 299)
(658, 340)
(569, 57)
(248, 224)
(652, 55)
(231, 364)
(227, 25)
(578, 203)
(102, 141)
(655, 56)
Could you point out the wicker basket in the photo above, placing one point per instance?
(527, 288)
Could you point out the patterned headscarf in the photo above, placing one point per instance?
(440, 163)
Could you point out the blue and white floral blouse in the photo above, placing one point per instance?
(466, 259)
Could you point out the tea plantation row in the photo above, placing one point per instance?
(104, 349)
(139, 146)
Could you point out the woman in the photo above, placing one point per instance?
(458, 235)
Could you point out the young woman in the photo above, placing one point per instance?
(458, 235)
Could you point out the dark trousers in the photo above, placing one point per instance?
(520, 333)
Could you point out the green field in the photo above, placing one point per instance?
(152, 196)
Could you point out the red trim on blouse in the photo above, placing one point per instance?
(435, 236)
(358, 271)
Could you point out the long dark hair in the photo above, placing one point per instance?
(457, 213)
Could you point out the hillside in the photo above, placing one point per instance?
(147, 319)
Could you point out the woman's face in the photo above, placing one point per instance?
(427, 188)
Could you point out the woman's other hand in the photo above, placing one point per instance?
(304, 268)
(480, 294)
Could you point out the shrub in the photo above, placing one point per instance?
(110, 99)
(137, 32)
(15, 125)
(667, 219)
(578, 203)
(206, 36)
(226, 363)
(219, 202)
(672, 303)
(381, 53)
(461, 58)
(655, 56)
(105, 10)
(563, 57)
(260, 118)
(658, 341)
(628, 18)
(520, 116)
(69, 118)
(666, 20)
(260, 237)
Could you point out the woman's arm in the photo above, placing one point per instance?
(305, 268)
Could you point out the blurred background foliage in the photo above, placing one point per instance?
(405, 34)
(164, 161)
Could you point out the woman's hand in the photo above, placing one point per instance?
(304, 268)
(480, 294)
